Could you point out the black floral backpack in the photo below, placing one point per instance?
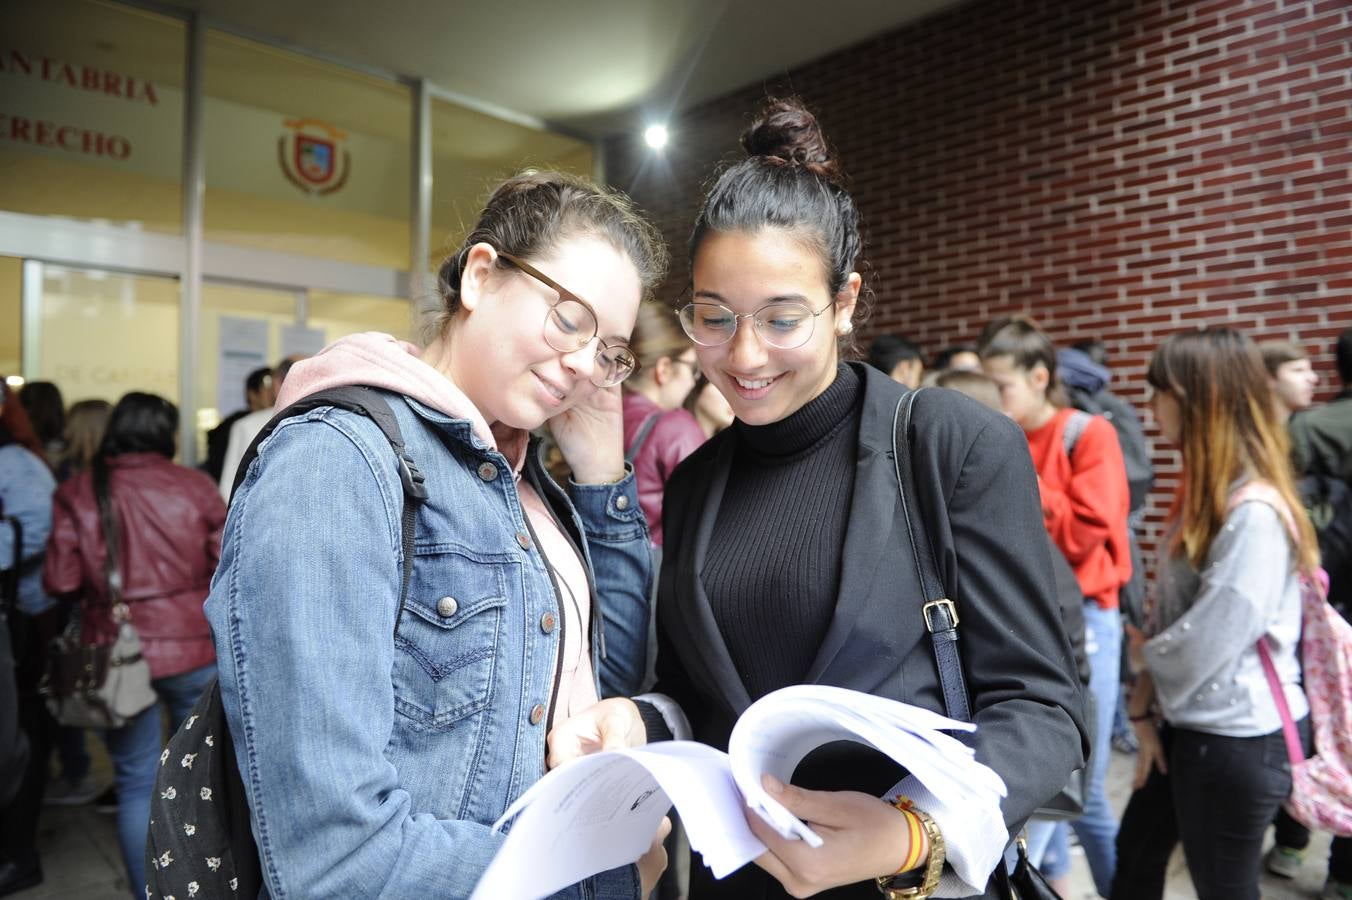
(200, 842)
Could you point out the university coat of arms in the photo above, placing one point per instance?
(313, 156)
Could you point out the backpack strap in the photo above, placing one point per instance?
(939, 611)
(1294, 751)
(639, 439)
(1075, 426)
(366, 402)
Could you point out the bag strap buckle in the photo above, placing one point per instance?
(947, 608)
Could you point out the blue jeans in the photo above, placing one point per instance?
(1049, 847)
(1097, 828)
(135, 751)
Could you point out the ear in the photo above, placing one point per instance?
(480, 266)
(1039, 377)
(848, 298)
(662, 371)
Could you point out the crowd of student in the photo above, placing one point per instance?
(574, 519)
(1228, 573)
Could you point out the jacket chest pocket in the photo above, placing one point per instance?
(449, 635)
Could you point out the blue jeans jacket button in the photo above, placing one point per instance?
(488, 471)
(446, 607)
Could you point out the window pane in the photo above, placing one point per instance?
(336, 315)
(472, 152)
(11, 314)
(91, 112)
(105, 333)
(241, 330)
(304, 157)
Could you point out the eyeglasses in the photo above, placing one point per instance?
(571, 325)
(781, 325)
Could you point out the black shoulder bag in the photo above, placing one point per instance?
(941, 621)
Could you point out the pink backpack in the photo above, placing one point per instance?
(1321, 786)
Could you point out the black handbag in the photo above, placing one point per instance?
(1024, 882)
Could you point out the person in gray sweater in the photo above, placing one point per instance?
(1211, 770)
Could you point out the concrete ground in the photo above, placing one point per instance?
(80, 856)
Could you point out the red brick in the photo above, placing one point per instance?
(1055, 157)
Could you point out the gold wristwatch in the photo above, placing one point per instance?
(896, 887)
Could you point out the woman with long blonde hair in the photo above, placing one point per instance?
(1212, 768)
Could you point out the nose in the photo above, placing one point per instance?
(582, 361)
(746, 350)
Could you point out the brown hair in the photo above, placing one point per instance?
(791, 180)
(1278, 353)
(1020, 338)
(14, 421)
(529, 214)
(85, 424)
(974, 384)
(1227, 429)
(656, 334)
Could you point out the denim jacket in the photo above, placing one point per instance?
(379, 744)
(26, 486)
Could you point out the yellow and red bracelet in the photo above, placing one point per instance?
(904, 804)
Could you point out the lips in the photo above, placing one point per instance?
(552, 389)
(753, 388)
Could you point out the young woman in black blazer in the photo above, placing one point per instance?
(787, 560)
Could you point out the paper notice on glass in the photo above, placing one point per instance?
(243, 348)
(301, 340)
(601, 811)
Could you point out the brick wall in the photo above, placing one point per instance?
(1121, 170)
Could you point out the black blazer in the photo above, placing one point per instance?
(979, 498)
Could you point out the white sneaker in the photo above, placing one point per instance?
(1284, 862)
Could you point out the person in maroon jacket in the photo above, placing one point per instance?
(658, 431)
(169, 520)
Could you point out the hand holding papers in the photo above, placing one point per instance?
(600, 812)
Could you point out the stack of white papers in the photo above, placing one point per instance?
(601, 812)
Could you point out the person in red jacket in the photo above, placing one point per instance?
(1082, 480)
(658, 431)
(169, 520)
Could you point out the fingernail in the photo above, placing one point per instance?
(773, 784)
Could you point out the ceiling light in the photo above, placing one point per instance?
(656, 136)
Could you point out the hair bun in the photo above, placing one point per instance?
(786, 133)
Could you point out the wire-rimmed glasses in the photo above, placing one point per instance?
(571, 324)
(782, 324)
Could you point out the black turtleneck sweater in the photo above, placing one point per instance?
(773, 565)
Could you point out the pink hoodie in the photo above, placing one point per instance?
(379, 360)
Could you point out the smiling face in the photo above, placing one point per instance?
(745, 271)
(500, 358)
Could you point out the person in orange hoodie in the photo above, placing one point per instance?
(1083, 482)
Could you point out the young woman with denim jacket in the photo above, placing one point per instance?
(379, 742)
(786, 559)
